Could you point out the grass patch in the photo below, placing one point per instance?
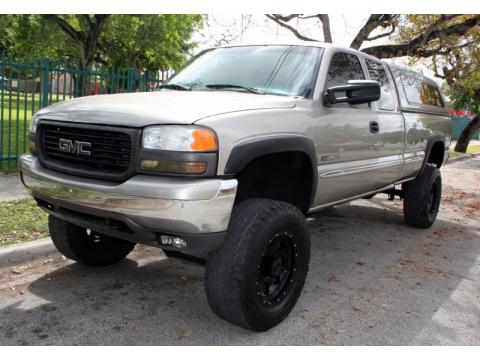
(472, 149)
(21, 221)
(16, 110)
(15, 114)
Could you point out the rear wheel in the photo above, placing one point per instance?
(256, 277)
(85, 246)
(421, 198)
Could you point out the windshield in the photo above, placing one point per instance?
(278, 70)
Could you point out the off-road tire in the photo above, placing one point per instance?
(233, 272)
(421, 198)
(86, 247)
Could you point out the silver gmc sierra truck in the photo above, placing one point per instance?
(224, 163)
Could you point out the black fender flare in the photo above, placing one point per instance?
(245, 152)
(430, 142)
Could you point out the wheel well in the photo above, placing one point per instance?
(286, 176)
(437, 152)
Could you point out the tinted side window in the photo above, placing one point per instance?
(343, 67)
(419, 92)
(377, 72)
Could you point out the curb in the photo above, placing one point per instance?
(16, 254)
(462, 158)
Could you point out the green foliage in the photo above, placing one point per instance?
(462, 85)
(463, 100)
(149, 42)
(145, 42)
(457, 60)
(33, 35)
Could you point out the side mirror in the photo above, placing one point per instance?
(356, 92)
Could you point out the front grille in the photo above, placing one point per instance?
(110, 151)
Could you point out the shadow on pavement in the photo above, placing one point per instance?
(372, 280)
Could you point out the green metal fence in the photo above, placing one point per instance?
(28, 85)
(458, 124)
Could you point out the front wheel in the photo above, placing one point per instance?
(421, 198)
(85, 246)
(256, 277)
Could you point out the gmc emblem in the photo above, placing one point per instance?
(74, 147)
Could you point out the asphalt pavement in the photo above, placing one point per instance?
(372, 281)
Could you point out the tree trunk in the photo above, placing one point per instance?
(85, 40)
(81, 80)
(467, 134)
(327, 33)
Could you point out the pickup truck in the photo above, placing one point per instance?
(224, 163)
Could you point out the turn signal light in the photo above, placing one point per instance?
(203, 140)
(170, 166)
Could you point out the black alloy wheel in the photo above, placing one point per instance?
(276, 268)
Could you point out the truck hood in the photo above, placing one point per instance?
(162, 107)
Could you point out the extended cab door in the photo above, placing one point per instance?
(346, 137)
(425, 115)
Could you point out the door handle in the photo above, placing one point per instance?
(374, 127)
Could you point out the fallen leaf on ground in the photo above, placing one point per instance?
(180, 333)
(430, 270)
(332, 278)
(356, 310)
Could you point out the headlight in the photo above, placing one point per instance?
(33, 124)
(179, 138)
(178, 149)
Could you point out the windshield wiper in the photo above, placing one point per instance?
(231, 86)
(175, 87)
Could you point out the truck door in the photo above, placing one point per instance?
(391, 127)
(346, 136)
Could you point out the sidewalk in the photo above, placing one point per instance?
(11, 188)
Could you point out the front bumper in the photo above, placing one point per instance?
(144, 206)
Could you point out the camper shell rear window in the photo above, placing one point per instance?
(419, 92)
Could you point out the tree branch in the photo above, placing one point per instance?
(85, 40)
(86, 18)
(286, 18)
(308, 17)
(65, 26)
(379, 36)
(416, 46)
(279, 21)
(373, 22)
(327, 33)
(435, 69)
(443, 18)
